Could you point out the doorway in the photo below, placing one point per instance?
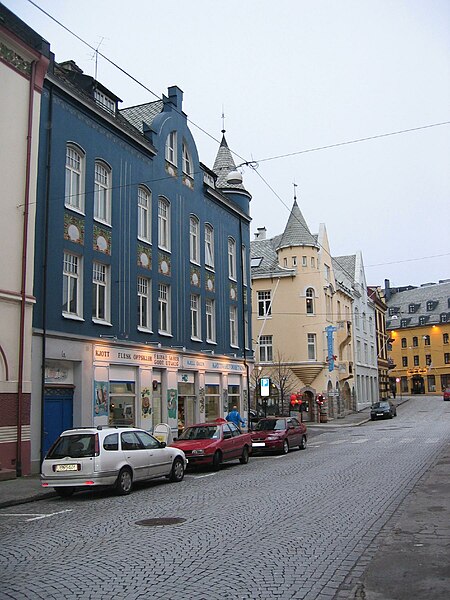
(57, 415)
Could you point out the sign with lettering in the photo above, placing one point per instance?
(126, 355)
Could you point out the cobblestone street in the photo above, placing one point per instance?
(301, 526)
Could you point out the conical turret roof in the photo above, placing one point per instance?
(297, 232)
(223, 165)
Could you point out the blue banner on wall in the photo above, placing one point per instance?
(330, 358)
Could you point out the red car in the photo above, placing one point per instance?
(214, 443)
(447, 394)
(278, 434)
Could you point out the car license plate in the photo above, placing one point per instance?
(256, 444)
(380, 414)
(60, 468)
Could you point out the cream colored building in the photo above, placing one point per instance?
(24, 61)
(295, 318)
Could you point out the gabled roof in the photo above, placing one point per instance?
(297, 232)
(438, 297)
(344, 269)
(223, 165)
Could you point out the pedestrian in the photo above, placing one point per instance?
(234, 417)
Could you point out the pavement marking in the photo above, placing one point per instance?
(36, 516)
(335, 443)
(362, 441)
(201, 476)
(431, 441)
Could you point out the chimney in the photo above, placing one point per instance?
(261, 233)
(387, 290)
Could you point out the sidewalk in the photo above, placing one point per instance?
(28, 489)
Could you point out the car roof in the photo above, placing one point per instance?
(98, 428)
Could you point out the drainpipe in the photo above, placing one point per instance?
(23, 292)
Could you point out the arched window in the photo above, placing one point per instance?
(75, 166)
(231, 258)
(209, 245)
(171, 148)
(163, 223)
(102, 192)
(144, 213)
(194, 239)
(309, 301)
(187, 166)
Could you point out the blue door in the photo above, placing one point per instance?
(58, 415)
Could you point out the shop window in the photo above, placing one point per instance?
(122, 399)
(234, 397)
(212, 402)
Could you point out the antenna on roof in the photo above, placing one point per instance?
(295, 191)
(223, 120)
(95, 55)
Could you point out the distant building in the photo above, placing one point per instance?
(383, 341)
(142, 267)
(24, 61)
(418, 321)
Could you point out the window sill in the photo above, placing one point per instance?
(101, 322)
(79, 211)
(144, 329)
(72, 317)
(102, 222)
(164, 333)
(144, 240)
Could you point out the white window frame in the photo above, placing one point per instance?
(187, 164)
(210, 309)
(144, 214)
(195, 317)
(233, 326)
(310, 308)
(75, 178)
(194, 239)
(72, 286)
(265, 344)
(164, 309)
(171, 148)
(209, 246)
(232, 258)
(100, 293)
(104, 101)
(144, 303)
(164, 223)
(102, 192)
(312, 346)
(264, 304)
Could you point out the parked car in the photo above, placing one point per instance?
(278, 434)
(447, 394)
(214, 443)
(384, 409)
(108, 456)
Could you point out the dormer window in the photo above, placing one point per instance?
(171, 148)
(105, 102)
(430, 305)
(444, 318)
(412, 308)
(403, 322)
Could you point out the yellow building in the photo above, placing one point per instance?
(419, 325)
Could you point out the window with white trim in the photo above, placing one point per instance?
(309, 301)
(100, 292)
(187, 165)
(233, 326)
(144, 214)
(171, 147)
(102, 193)
(244, 265)
(311, 346)
(164, 320)
(164, 223)
(194, 239)
(144, 303)
(74, 190)
(265, 344)
(231, 258)
(104, 101)
(72, 285)
(195, 317)
(264, 303)
(209, 246)
(210, 306)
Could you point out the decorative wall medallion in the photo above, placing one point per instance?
(73, 228)
(14, 59)
(188, 182)
(210, 283)
(164, 264)
(233, 291)
(195, 276)
(171, 169)
(102, 240)
(144, 257)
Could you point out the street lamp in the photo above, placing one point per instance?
(235, 177)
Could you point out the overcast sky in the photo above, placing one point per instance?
(293, 76)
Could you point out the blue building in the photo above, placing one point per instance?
(142, 278)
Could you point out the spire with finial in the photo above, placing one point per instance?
(297, 232)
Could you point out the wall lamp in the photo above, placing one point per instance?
(235, 177)
(179, 348)
(208, 351)
(108, 337)
(157, 344)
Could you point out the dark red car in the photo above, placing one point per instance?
(446, 394)
(214, 443)
(278, 434)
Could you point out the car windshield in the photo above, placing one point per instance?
(73, 446)
(381, 405)
(204, 432)
(271, 425)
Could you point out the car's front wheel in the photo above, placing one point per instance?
(302, 444)
(217, 460)
(285, 449)
(124, 482)
(177, 472)
(64, 492)
(244, 457)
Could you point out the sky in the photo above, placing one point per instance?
(293, 77)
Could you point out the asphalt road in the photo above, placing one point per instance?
(301, 526)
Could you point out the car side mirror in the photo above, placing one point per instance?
(162, 444)
(175, 439)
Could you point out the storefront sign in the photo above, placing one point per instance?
(127, 356)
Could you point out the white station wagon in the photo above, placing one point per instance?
(108, 456)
